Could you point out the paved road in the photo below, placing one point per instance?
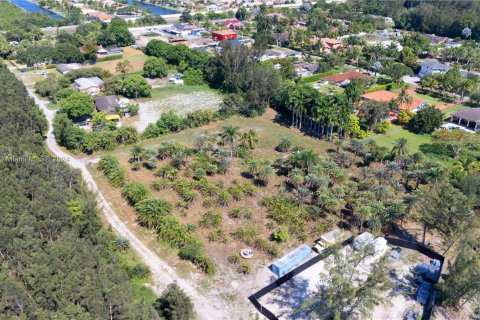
(207, 307)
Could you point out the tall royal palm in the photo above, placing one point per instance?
(229, 135)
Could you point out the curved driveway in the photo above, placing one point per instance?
(207, 307)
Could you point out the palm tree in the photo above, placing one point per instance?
(250, 139)
(179, 159)
(375, 223)
(357, 146)
(137, 152)
(229, 135)
(265, 173)
(363, 213)
(404, 97)
(400, 148)
(284, 145)
(253, 166)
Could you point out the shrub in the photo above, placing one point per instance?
(174, 304)
(193, 77)
(168, 148)
(234, 258)
(161, 184)
(167, 172)
(248, 188)
(138, 271)
(185, 190)
(110, 168)
(210, 219)
(235, 213)
(265, 246)
(174, 233)
(439, 149)
(217, 235)
(383, 127)
(136, 166)
(284, 145)
(281, 235)
(236, 191)
(135, 192)
(246, 234)
(195, 254)
(404, 117)
(201, 118)
(208, 203)
(244, 268)
(150, 212)
(224, 198)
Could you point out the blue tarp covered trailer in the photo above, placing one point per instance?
(291, 260)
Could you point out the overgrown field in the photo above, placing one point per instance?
(279, 189)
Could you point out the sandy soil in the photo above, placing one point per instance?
(182, 104)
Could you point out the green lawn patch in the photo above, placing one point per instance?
(431, 100)
(451, 110)
(414, 140)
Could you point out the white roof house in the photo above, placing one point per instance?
(66, 68)
(431, 67)
(88, 84)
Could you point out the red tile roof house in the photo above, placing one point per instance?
(387, 96)
(343, 78)
(221, 35)
(330, 45)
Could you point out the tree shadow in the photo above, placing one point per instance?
(289, 298)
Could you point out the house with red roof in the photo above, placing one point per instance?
(221, 35)
(388, 96)
(330, 45)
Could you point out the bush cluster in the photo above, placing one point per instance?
(171, 122)
(111, 169)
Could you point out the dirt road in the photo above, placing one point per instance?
(208, 307)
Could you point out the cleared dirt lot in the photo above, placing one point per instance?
(136, 58)
(182, 100)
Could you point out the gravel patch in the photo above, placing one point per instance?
(181, 104)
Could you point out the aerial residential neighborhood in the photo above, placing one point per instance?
(255, 159)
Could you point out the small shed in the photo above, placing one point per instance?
(291, 260)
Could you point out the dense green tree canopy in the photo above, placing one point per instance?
(426, 120)
(77, 105)
(55, 257)
(155, 68)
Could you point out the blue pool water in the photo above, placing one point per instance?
(33, 7)
(155, 10)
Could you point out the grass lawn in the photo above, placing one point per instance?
(330, 88)
(136, 58)
(451, 110)
(431, 100)
(415, 140)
